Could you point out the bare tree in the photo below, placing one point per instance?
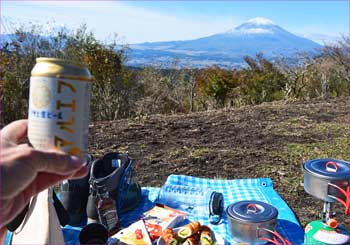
(340, 54)
(295, 75)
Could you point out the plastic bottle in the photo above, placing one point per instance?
(194, 200)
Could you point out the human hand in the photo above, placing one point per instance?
(26, 171)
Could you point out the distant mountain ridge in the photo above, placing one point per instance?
(227, 49)
(258, 35)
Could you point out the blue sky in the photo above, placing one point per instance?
(141, 21)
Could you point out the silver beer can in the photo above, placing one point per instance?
(59, 106)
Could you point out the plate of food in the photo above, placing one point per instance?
(190, 234)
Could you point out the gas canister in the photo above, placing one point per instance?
(318, 232)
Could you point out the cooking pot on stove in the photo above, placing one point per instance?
(253, 222)
(328, 180)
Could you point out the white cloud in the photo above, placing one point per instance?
(319, 34)
(322, 38)
(133, 24)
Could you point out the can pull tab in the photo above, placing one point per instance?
(334, 167)
(252, 208)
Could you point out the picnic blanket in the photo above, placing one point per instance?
(248, 189)
(260, 189)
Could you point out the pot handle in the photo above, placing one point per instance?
(252, 208)
(275, 236)
(334, 167)
(346, 193)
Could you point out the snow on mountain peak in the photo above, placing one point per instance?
(256, 31)
(260, 21)
(256, 26)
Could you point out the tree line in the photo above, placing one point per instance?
(120, 91)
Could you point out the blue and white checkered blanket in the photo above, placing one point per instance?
(233, 191)
(247, 189)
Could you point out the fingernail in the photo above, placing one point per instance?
(76, 161)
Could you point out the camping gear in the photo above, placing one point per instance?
(260, 189)
(93, 233)
(74, 197)
(318, 232)
(59, 106)
(116, 173)
(329, 181)
(253, 222)
(233, 190)
(193, 199)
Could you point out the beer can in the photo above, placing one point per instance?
(59, 106)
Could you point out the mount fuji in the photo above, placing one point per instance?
(258, 35)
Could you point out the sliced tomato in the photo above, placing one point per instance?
(139, 234)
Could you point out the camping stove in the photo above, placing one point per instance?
(329, 181)
(326, 230)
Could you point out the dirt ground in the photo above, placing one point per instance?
(270, 140)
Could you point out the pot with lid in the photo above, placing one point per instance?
(328, 180)
(253, 222)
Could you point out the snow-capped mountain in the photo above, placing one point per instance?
(258, 35)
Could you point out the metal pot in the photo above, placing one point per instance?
(252, 222)
(327, 179)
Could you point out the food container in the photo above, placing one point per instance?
(327, 179)
(253, 222)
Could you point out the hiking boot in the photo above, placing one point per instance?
(115, 171)
(74, 197)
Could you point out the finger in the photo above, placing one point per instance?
(15, 131)
(54, 162)
(81, 173)
(42, 182)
